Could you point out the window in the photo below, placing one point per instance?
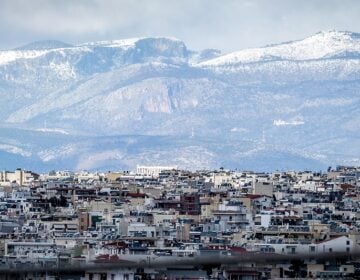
(330, 249)
(312, 249)
(347, 242)
(347, 249)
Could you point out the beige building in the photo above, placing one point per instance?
(100, 206)
(183, 232)
(84, 220)
(161, 218)
(114, 176)
(314, 269)
(19, 176)
(263, 188)
(222, 178)
(207, 209)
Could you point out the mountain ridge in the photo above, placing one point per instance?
(272, 111)
(325, 43)
(44, 44)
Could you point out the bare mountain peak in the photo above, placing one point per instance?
(44, 45)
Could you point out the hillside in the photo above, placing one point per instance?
(115, 104)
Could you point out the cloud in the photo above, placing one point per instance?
(226, 24)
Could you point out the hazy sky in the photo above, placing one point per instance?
(222, 24)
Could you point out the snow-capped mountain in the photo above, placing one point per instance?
(115, 104)
(320, 46)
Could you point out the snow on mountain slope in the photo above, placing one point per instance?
(114, 104)
(321, 45)
(26, 76)
(100, 85)
(9, 56)
(138, 47)
(124, 43)
(285, 70)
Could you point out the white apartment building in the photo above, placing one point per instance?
(152, 170)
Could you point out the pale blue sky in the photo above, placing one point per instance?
(223, 24)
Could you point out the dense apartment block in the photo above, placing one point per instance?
(159, 223)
